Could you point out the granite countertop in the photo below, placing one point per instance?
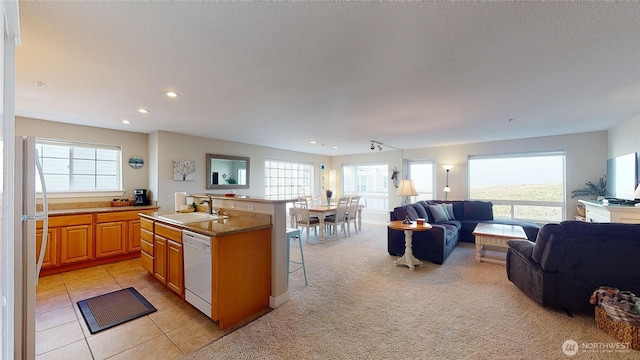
(91, 210)
(222, 227)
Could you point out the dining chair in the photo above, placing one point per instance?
(301, 212)
(339, 218)
(352, 213)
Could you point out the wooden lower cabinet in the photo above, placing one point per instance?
(51, 253)
(110, 238)
(146, 244)
(160, 258)
(167, 259)
(175, 267)
(133, 238)
(117, 233)
(88, 239)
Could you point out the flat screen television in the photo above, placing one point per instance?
(622, 177)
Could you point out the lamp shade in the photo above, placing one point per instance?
(637, 196)
(406, 188)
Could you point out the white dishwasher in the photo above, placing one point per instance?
(197, 270)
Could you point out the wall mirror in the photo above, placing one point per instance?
(227, 172)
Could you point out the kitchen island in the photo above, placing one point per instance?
(240, 261)
(276, 208)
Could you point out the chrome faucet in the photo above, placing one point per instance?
(209, 202)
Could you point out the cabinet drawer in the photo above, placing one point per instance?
(146, 247)
(146, 235)
(147, 261)
(146, 224)
(169, 232)
(117, 216)
(70, 220)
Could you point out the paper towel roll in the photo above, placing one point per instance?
(181, 199)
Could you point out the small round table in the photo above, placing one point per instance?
(408, 259)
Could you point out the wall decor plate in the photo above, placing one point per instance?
(136, 162)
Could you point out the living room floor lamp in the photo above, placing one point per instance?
(447, 189)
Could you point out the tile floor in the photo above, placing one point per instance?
(177, 329)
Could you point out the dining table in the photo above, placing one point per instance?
(321, 211)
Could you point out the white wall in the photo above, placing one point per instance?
(167, 146)
(625, 138)
(586, 160)
(132, 144)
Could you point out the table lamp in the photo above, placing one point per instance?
(406, 189)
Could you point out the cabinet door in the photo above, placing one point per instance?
(76, 244)
(175, 271)
(133, 240)
(160, 258)
(51, 258)
(110, 239)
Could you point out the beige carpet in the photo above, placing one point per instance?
(358, 305)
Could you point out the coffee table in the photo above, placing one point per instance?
(495, 235)
(408, 259)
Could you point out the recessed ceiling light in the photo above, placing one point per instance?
(171, 94)
(126, 122)
(334, 147)
(143, 111)
(39, 84)
(312, 142)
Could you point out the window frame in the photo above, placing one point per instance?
(513, 204)
(84, 191)
(368, 195)
(421, 194)
(292, 182)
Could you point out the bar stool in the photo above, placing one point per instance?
(295, 233)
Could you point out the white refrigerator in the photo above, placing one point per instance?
(29, 189)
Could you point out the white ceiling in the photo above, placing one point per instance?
(410, 75)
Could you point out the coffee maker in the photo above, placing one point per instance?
(141, 197)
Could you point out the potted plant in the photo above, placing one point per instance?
(599, 190)
(329, 195)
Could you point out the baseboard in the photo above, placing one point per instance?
(275, 302)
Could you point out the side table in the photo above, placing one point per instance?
(408, 259)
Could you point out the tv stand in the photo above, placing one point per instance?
(596, 211)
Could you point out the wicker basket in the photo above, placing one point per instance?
(120, 203)
(621, 331)
(581, 211)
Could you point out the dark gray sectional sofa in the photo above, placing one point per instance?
(436, 244)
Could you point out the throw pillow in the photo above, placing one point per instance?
(413, 214)
(439, 213)
(422, 213)
(449, 208)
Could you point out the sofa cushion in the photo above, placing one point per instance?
(439, 213)
(413, 214)
(478, 210)
(422, 213)
(449, 209)
(399, 213)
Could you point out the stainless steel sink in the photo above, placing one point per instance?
(185, 218)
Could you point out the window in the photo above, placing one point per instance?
(71, 166)
(370, 181)
(287, 179)
(421, 172)
(527, 186)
